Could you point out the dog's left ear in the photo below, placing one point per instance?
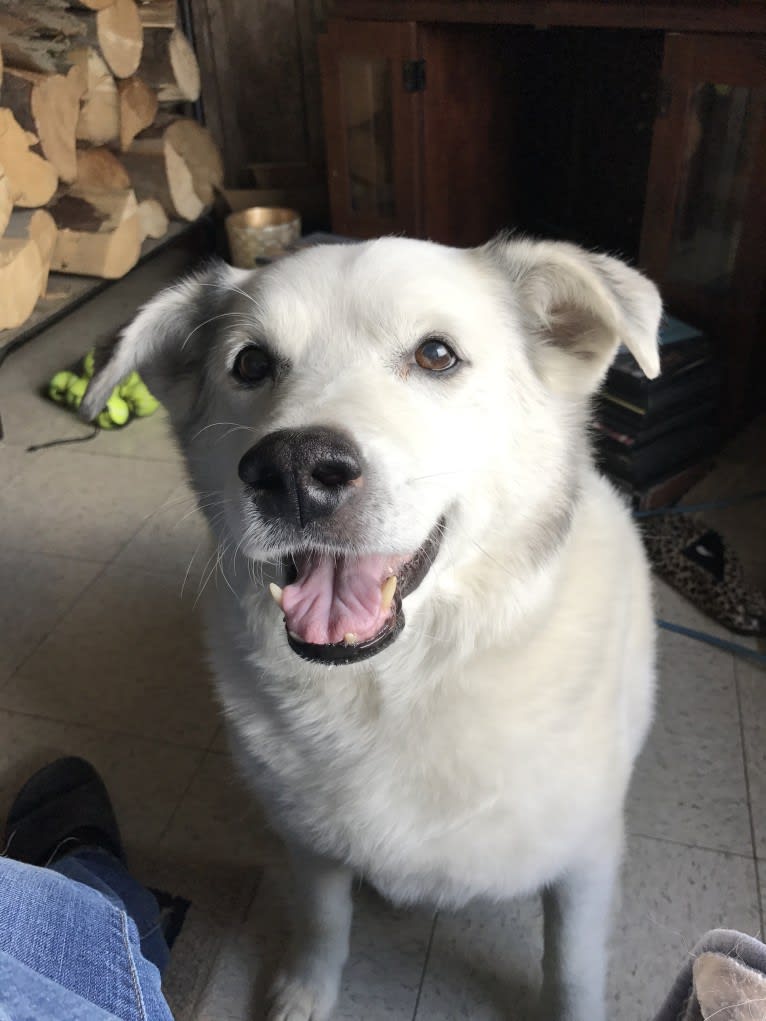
(578, 308)
(166, 342)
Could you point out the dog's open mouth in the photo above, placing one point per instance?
(343, 609)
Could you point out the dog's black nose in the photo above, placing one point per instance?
(301, 475)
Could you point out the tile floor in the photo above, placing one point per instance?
(99, 656)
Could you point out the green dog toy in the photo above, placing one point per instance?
(130, 398)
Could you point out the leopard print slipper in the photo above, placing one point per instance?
(695, 560)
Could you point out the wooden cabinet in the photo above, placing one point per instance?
(415, 123)
(704, 227)
(373, 115)
(639, 141)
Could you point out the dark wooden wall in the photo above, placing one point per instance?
(261, 92)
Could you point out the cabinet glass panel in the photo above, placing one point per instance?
(724, 126)
(368, 124)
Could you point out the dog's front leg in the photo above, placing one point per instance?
(306, 988)
(577, 912)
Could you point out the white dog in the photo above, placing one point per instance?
(449, 697)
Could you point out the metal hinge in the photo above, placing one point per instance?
(414, 75)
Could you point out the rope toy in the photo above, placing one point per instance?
(130, 398)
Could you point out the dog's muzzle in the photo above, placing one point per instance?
(339, 607)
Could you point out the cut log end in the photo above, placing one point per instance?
(43, 231)
(195, 145)
(99, 120)
(100, 168)
(186, 201)
(6, 200)
(185, 67)
(170, 66)
(56, 110)
(99, 232)
(38, 226)
(120, 36)
(153, 218)
(21, 272)
(158, 171)
(138, 108)
(32, 178)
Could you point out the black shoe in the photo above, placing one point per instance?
(63, 807)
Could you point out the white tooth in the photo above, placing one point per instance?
(387, 593)
(276, 594)
(350, 638)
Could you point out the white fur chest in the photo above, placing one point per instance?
(431, 782)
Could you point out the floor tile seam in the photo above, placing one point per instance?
(91, 451)
(105, 565)
(426, 962)
(176, 808)
(18, 670)
(751, 818)
(148, 517)
(56, 556)
(144, 459)
(103, 731)
(133, 533)
(94, 452)
(65, 613)
(727, 852)
(154, 571)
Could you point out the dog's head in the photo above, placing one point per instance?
(387, 410)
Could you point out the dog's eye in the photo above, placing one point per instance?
(252, 365)
(435, 355)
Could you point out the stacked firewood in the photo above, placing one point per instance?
(95, 153)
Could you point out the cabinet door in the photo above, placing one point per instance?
(373, 127)
(704, 223)
(470, 141)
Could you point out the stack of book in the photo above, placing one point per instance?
(655, 437)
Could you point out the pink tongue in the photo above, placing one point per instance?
(333, 598)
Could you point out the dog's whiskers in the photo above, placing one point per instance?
(420, 633)
(484, 552)
(238, 548)
(222, 502)
(441, 475)
(207, 574)
(233, 287)
(212, 319)
(168, 505)
(222, 550)
(193, 556)
(250, 298)
(220, 425)
(731, 1006)
(221, 562)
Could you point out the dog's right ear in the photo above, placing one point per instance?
(166, 342)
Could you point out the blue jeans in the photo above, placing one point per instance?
(79, 941)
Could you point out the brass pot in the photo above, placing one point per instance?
(261, 234)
